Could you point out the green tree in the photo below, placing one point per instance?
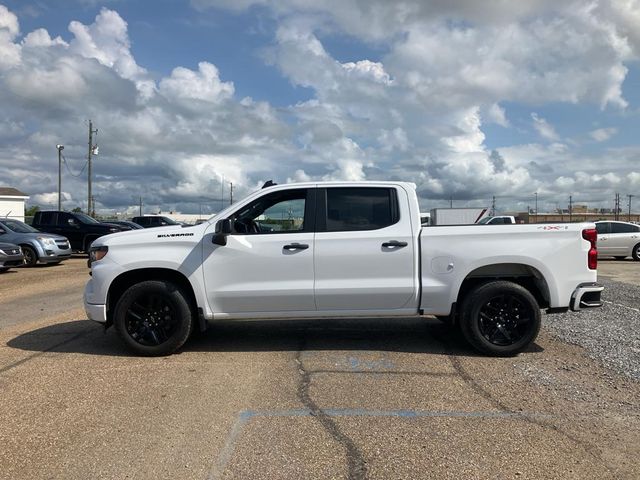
(77, 210)
(31, 211)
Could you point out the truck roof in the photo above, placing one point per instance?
(377, 183)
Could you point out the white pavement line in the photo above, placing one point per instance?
(623, 306)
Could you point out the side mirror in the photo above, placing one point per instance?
(223, 228)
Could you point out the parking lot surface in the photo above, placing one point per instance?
(367, 398)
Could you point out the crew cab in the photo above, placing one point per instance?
(339, 249)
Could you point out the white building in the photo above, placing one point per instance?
(12, 203)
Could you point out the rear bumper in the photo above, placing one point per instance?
(586, 295)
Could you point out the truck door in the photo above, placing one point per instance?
(364, 255)
(267, 263)
(604, 233)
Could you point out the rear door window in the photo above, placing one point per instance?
(359, 208)
(623, 228)
(48, 218)
(603, 228)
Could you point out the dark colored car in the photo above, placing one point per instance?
(125, 224)
(80, 229)
(37, 247)
(149, 221)
(10, 256)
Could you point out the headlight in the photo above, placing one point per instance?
(114, 230)
(97, 253)
(47, 241)
(2, 252)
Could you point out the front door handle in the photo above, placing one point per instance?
(394, 244)
(296, 246)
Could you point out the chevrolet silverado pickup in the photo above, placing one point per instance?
(339, 249)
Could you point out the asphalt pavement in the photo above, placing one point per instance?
(366, 398)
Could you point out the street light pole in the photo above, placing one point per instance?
(630, 197)
(60, 148)
(536, 194)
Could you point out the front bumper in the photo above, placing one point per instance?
(11, 260)
(586, 295)
(96, 312)
(50, 253)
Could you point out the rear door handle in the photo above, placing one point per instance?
(394, 244)
(296, 246)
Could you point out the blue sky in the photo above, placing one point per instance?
(464, 101)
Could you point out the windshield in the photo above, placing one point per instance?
(85, 218)
(485, 220)
(18, 226)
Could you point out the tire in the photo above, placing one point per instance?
(153, 318)
(30, 256)
(87, 244)
(3, 269)
(636, 253)
(500, 318)
(619, 258)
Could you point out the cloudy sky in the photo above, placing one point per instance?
(467, 99)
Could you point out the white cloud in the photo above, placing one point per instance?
(496, 114)
(603, 134)
(416, 113)
(203, 85)
(544, 128)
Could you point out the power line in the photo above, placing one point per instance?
(69, 168)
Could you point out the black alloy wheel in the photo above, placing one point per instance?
(504, 319)
(150, 320)
(500, 318)
(153, 318)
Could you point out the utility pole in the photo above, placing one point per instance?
(570, 207)
(91, 149)
(93, 206)
(616, 209)
(451, 201)
(140, 206)
(493, 206)
(60, 148)
(630, 197)
(230, 193)
(536, 194)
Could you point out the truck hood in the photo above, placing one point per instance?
(151, 236)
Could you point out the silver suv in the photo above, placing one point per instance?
(36, 246)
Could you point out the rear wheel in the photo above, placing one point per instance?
(153, 318)
(636, 253)
(500, 318)
(30, 256)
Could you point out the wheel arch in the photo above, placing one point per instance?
(522, 274)
(127, 279)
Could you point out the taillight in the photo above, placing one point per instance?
(591, 235)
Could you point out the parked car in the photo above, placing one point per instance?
(125, 223)
(498, 220)
(618, 239)
(149, 221)
(10, 256)
(37, 247)
(339, 249)
(80, 229)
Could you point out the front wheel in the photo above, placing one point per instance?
(30, 256)
(500, 318)
(636, 253)
(153, 318)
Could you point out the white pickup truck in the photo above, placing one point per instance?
(339, 249)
